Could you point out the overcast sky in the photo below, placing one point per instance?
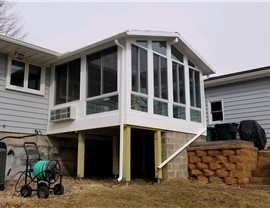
(229, 36)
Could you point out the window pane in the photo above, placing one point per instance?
(143, 71)
(179, 112)
(17, 73)
(109, 58)
(94, 75)
(217, 116)
(34, 77)
(191, 88)
(178, 83)
(74, 70)
(182, 84)
(216, 106)
(159, 46)
(135, 68)
(195, 116)
(156, 76)
(164, 82)
(175, 83)
(160, 108)
(191, 64)
(139, 103)
(197, 89)
(102, 105)
(61, 83)
(142, 43)
(176, 55)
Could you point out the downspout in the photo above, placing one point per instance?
(122, 104)
(181, 149)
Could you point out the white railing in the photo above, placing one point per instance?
(181, 149)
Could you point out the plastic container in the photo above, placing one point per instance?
(211, 134)
(226, 131)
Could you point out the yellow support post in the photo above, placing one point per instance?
(158, 155)
(126, 156)
(81, 153)
(115, 156)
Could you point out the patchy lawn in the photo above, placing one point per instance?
(140, 193)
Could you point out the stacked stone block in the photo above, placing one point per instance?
(230, 163)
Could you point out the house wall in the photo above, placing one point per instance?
(22, 112)
(247, 100)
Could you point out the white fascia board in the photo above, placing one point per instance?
(29, 45)
(238, 77)
(88, 47)
(186, 48)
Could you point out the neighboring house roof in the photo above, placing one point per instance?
(238, 77)
(174, 37)
(30, 52)
(38, 54)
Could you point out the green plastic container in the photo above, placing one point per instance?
(211, 134)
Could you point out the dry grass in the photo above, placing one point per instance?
(108, 193)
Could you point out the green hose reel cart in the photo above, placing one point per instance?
(45, 173)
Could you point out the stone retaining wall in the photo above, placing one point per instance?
(229, 162)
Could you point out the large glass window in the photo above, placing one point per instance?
(67, 78)
(102, 81)
(160, 77)
(139, 99)
(139, 70)
(195, 94)
(25, 77)
(195, 91)
(102, 72)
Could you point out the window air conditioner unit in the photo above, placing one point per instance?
(63, 114)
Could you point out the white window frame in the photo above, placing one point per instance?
(26, 75)
(210, 117)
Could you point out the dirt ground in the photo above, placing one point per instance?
(141, 193)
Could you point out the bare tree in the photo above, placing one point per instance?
(10, 24)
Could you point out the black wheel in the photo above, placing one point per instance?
(26, 191)
(43, 192)
(58, 189)
(42, 184)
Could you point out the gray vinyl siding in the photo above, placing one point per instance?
(249, 100)
(22, 112)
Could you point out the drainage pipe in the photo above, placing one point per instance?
(122, 104)
(181, 149)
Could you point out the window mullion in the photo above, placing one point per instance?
(101, 75)
(67, 84)
(139, 71)
(177, 81)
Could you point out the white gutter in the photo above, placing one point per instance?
(122, 104)
(181, 149)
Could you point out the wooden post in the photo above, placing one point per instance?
(81, 153)
(126, 156)
(158, 155)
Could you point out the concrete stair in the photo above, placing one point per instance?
(261, 175)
